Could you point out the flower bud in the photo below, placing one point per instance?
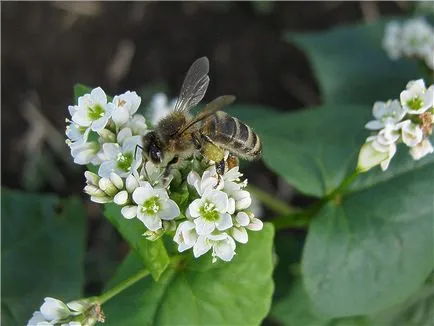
(101, 200)
(116, 180)
(94, 191)
(153, 235)
(129, 212)
(53, 309)
(107, 136)
(108, 187)
(121, 198)
(169, 225)
(91, 178)
(369, 157)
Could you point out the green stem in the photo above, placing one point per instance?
(344, 185)
(270, 201)
(301, 219)
(103, 298)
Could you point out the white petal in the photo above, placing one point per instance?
(194, 208)
(225, 249)
(169, 211)
(374, 125)
(98, 95)
(201, 246)
(231, 206)
(142, 193)
(152, 222)
(242, 218)
(120, 116)
(192, 178)
(255, 224)
(131, 183)
(99, 124)
(124, 134)
(54, 309)
(240, 234)
(116, 180)
(106, 168)
(129, 212)
(219, 198)
(422, 149)
(224, 223)
(111, 150)
(242, 199)
(121, 198)
(204, 227)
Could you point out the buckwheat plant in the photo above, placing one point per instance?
(413, 38)
(194, 206)
(408, 120)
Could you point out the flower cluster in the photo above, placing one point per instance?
(219, 216)
(193, 204)
(409, 120)
(413, 38)
(74, 313)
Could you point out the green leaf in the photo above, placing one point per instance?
(351, 66)
(43, 244)
(80, 90)
(314, 150)
(197, 292)
(295, 309)
(372, 248)
(418, 310)
(153, 253)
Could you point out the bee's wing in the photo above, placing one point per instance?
(194, 86)
(209, 109)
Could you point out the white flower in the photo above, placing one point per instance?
(53, 309)
(415, 34)
(137, 124)
(411, 133)
(124, 106)
(210, 212)
(122, 159)
(160, 107)
(186, 235)
(392, 40)
(243, 221)
(416, 99)
(223, 246)
(85, 153)
(76, 134)
(153, 173)
(38, 320)
(92, 110)
(208, 181)
(153, 206)
(420, 150)
(389, 112)
(373, 153)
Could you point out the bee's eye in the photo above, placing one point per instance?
(155, 153)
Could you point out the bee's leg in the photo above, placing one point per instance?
(220, 167)
(166, 173)
(135, 150)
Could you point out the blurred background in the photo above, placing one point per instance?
(47, 47)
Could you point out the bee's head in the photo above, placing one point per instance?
(152, 148)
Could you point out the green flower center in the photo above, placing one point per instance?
(415, 103)
(124, 161)
(209, 211)
(95, 112)
(151, 206)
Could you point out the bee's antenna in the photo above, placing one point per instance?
(135, 150)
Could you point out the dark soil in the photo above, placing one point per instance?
(47, 47)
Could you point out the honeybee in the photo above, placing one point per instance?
(179, 135)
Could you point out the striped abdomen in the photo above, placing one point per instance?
(231, 134)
